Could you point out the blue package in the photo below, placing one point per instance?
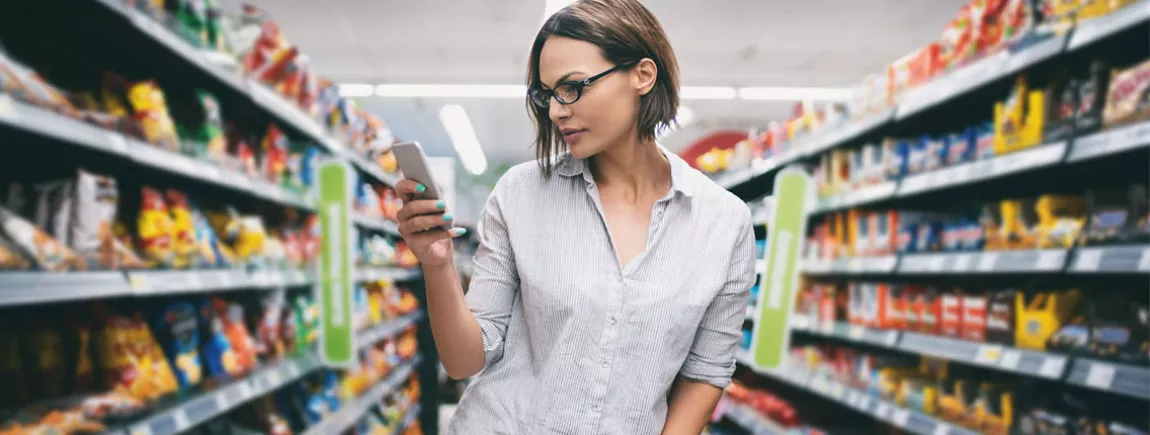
(951, 233)
(746, 342)
(754, 293)
(916, 156)
(178, 334)
(972, 237)
(907, 238)
(929, 237)
(984, 140)
(897, 155)
(961, 147)
(331, 391)
(760, 248)
(308, 165)
(935, 150)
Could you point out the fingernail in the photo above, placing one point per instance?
(420, 188)
(447, 217)
(440, 205)
(459, 231)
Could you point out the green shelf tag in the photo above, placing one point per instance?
(337, 337)
(787, 229)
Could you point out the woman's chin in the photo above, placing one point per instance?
(582, 150)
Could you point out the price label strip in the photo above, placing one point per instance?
(1088, 260)
(1010, 359)
(1100, 376)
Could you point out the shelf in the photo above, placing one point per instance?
(408, 419)
(851, 266)
(750, 420)
(1111, 259)
(375, 223)
(350, 413)
(865, 195)
(877, 408)
(980, 170)
(374, 334)
(849, 131)
(1099, 28)
(46, 123)
(1110, 142)
(843, 330)
(1030, 261)
(1113, 377)
(995, 356)
(21, 288)
(260, 95)
(205, 406)
(976, 75)
(394, 274)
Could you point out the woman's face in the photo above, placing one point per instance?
(606, 112)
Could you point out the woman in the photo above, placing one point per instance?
(611, 281)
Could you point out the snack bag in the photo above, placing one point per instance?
(221, 360)
(183, 231)
(307, 324)
(211, 132)
(275, 147)
(1128, 99)
(125, 349)
(293, 248)
(178, 328)
(269, 333)
(210, 250)
(10, 256)
(289, 330)
(232, 317)
(275, 253)
(45, 361)
(94, 213)
(250, 242)
(155, 229)
(151, 113)
(44, 251)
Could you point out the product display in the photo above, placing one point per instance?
(159, 242)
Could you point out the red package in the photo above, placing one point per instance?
(231, 316)
(951, 312)
(974, 318)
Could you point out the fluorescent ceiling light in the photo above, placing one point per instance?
(452, 91)
(707, 93)
(795, 94)
(458, 127)
(356, 90)
(684, 116)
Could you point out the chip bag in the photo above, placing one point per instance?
(44, 251)
(178, 329)
(155, 229)
(151, 113)
(184, 246)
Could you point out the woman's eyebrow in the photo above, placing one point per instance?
(563, 79)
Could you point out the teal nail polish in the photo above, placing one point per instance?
(459, 231)
(420, 188)
(440, 205)
(447, 217)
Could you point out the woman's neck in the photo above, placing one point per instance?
(636, 167)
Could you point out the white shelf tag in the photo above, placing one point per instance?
(181, 420)
(1088, 260)
(987, 261)
(222, 400)
(882, 411)
(891, 338)
(115, 140)
(1010, 359)
(142, 429)
(1050, 260)
(1052, 367)
(1101, 376)
(988, 354)
(1144, 261)
(961, 262)
(901, 416)
(937, 262)
(856, 332)
(7, 109)
(941, 428)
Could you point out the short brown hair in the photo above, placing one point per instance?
(626, 32)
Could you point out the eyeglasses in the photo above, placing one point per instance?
(568, 92)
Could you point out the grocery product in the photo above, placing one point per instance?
(1128, 96)
(155, 229)
(151, 112)
(178, 330)
(44, 252)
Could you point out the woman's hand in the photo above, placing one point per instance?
(425, 227)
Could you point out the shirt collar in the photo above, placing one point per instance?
(568, 166)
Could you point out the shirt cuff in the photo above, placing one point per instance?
(492, 341)
(698, 370)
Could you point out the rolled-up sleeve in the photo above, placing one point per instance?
(712, 356)
(495, 279)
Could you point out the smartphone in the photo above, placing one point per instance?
(413, 164)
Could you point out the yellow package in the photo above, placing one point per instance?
(154, 229)
(151, 113)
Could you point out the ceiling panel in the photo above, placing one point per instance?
(721, 42)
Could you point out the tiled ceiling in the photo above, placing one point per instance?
(830, 43)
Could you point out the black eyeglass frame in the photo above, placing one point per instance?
(541, 98)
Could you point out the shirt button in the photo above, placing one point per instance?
(612, 321)
(595, 408)
(603, 363)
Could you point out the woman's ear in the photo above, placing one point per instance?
(643, 75)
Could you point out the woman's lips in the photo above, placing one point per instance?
(573, 136)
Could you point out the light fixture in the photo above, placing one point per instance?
(795, 94)
(463, 138)
(707, 93)
(452, 91)
(683, 117)
(356, 90)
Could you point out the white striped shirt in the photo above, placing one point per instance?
(576, 345)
